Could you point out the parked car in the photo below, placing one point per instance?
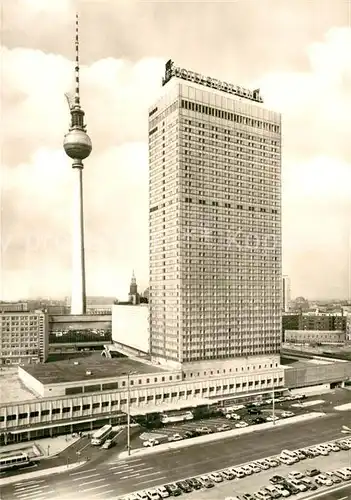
(323, 480)
(287, 414)
(227, 474)
(204, 430)
(300, 455)
(254, 467)
(334, 447)
(162, 491)
(153, 495)
(295, 475)
(310, 485)
(239, 472)
(287, 460)
(189, 434)
(151, 442)
(215, 477)
(343, 445)
(343, 474)
(277, 479)
(333, 477)
(298, 484)
(273, 462)
(263, 464)
(247, 470)
(291, 488)
(259, 420)
(270, 418)
(273, 492)
(223, 427)
(142, 495)
(284, 492)
(248, 496)
(175, 437)
(262, 495)
(312, 472)
(184, 486)
(195, 483)
(241, 424)
(206, 481)
(173, 489)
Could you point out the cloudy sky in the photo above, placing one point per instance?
(298, 52)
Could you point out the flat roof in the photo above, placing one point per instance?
(12, 389)
(100, 367)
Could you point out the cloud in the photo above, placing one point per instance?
(116, 93)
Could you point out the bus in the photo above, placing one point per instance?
(100, 436)
(14, 461)
(175, 416)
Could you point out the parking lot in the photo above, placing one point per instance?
(214, 423)
(289, 474)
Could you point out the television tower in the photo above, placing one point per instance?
(77, 145)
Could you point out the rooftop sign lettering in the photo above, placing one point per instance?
(171, 70)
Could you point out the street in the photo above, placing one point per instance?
(106, 476)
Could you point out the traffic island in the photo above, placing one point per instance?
(40, 473)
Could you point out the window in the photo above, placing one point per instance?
(56, 411)
(45, 412)
(22, 415)
(77, 408)
(34, 414)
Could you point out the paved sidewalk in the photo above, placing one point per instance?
(40, 473)
(220, 435)
(42, 448)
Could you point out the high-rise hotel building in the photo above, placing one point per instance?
(215, 226)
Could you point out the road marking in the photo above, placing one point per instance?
(130, 461)
(35, 481)
(79, 451)
(343, 498)
(151, 480)
(82, 472)
(33, 494)
(138, 471)
(121, 467)
(85, 477)
(151, 474)
(104, 493)
(91, 482)
(130, 475)
(31, 486)
(94, 488)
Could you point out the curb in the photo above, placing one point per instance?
(185, 443)
(41, 473)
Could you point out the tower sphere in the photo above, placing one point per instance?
(77, 144)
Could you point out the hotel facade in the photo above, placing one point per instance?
(215, 225)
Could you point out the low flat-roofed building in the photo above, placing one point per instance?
(23, 337)
(315, 336)
(95, 391)
(12, 389)
(130, 326)
(92, 374)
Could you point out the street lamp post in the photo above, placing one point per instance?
(128, 411)
(273, 401)
(128, 414)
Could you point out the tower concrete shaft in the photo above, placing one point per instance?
(77, 145)
(78, 299)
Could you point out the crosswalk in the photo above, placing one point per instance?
(32, 490)
(101, 483)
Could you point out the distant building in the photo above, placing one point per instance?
(13, 306)
(300, 304)
(347, 314)
(23, 337)
(146, 293)
(130, 326)
(69, 333)
(322, 321)
(315, 336)
(290, 321)
(286, 293)
(133, 297)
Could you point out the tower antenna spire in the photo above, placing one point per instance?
(77, 95)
